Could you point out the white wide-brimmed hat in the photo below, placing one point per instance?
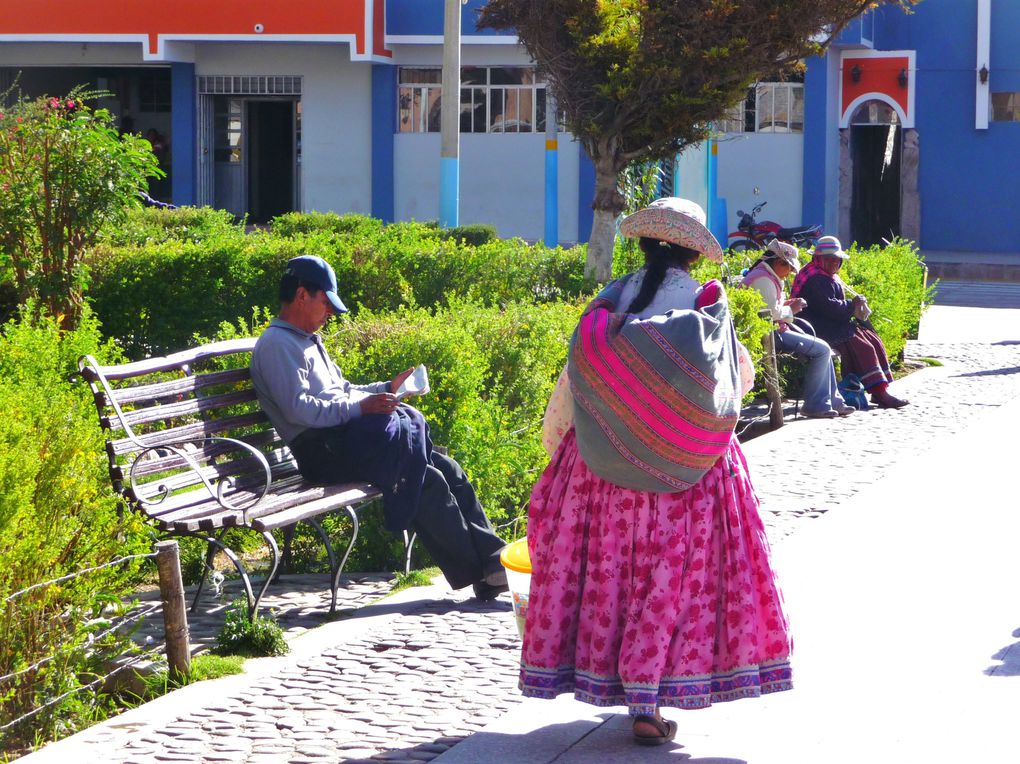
(676, 220)
(785, 252)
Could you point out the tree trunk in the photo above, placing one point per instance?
(608, 204)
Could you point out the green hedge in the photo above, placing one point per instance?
(158, 287)
(893, 278)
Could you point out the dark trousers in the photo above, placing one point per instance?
(448, 517)
(452, 524)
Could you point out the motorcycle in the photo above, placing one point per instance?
(754, 235)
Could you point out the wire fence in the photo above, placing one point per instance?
(126, 658)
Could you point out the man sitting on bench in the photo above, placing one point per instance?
(340, 432)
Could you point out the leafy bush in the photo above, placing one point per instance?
(300, 223)
(491, 371)
(137, 277)
(154, 225)
(258, 637)
(892, 278)
(57, 516)
(475, 235)
(65, 173)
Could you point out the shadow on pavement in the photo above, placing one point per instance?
(605, 738)
(1009, 660)
(991, 372)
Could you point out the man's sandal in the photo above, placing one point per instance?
(667, 730)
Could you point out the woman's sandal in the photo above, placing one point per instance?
(667, 730)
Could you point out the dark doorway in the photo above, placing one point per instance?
(875, 206)
(270, 159)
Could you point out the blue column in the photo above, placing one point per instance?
(716, 212)
(183, 133)
(449, 192)
(384, 125)
(552, 192)
(585, 197)
(815, 170)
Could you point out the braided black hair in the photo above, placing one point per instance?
(659, 257)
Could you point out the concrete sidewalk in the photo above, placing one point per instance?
(906, 623)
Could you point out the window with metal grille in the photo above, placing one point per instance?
(770, 107)
(493, 99)
(249, 84)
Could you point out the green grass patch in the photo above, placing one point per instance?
(421, 577)
(214, 666)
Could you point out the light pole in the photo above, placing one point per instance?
(449, 119)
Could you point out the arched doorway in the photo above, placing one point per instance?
(876, 150)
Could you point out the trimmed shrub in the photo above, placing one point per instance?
(892, 278)
(491, 371)
(300, 223)
(475, 234)
(137, 287)
(155, 225)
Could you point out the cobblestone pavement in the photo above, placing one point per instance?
(298, 602)
(414, 686)
(809, 467)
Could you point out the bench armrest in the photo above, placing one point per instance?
(217, 486)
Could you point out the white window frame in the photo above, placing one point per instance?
(411, 118)
(1012, 107)
(762, 112)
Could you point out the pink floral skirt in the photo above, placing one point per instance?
(651, 599)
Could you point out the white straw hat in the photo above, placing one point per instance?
(676, 220)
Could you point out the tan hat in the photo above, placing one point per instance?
(676, 220)
(785, 252)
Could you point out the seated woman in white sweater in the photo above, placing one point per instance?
(821, 393)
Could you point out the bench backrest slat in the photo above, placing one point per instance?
(174, 362)
(194, 431)
(182, 386)
(162, 412)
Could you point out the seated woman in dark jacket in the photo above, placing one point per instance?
(833, 318)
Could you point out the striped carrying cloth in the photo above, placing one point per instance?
(655, 400)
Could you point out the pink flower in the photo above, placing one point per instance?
(70, 104)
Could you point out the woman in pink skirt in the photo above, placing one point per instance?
(652, 582)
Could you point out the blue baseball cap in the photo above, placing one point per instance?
(314, 270)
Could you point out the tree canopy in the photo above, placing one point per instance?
(640, 80)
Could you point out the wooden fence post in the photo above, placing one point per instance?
(772, 390)
(175, 614)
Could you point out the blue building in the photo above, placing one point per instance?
(906, 127)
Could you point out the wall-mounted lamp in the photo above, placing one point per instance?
(855, 73)
(983, 74)
(902, 78)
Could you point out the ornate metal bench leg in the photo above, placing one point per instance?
(288, 538)
(274, 550)
(330, 554)
(408, 548)
(210, 554)
(214, 542)
(340, 568)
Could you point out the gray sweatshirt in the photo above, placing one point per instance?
(299, 386)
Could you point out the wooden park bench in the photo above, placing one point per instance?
(190, 448)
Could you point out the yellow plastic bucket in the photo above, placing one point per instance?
(517, 562)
